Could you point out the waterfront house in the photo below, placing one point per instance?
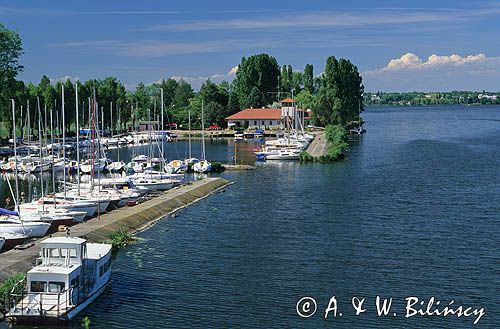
(268, 118)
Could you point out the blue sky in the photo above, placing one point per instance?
(397, 45)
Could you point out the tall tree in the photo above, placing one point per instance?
(308, 78)
(341, 94)
(260, 72)
(10, 51)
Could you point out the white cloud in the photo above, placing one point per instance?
(412, 61)
(436, 73)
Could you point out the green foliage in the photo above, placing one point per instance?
(431, 98)
(7, 287)
(215, 99)
(120, 238)
(305, 100)
(86, 323)
(10, 51)
(340, 96)
(305, 157)
(336, 136)
(217, 167)
(256, 80)
(308, 79)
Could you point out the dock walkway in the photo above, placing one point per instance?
(133, 219)
(318, 146)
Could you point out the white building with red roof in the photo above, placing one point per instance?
(265, 118)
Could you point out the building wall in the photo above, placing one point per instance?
(257, 124)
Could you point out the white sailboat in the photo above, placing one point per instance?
(203, 166)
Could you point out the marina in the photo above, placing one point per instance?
(249, 165)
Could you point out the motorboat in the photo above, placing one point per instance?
(71, 274)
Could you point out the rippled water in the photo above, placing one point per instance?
(413, 211)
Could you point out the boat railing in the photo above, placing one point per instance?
(48, 304)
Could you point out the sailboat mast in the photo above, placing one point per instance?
(40, 141)
(52, 151)
(29, 126)
(202, 133)
(77, 140)
(15, 154)
(111, 117)
(63, 138)
(102, 119)
(92, 146)
(162, 131)
(189, 136)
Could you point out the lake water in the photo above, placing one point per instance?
(414, 210)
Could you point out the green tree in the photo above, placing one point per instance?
(256, 81)
(308, 78)
(341, 94)
(10, 51)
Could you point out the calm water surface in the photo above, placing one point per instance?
(413, 211)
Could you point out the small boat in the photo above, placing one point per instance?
(99, 166)
(191, 161)
(49, 202)
(70, 275)
(140, 158)
(116, 166)
(135, 166)
(33, 229)
(176, 166)
(283, 155)
(202, 167)
(155, 184)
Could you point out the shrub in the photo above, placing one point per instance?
(6, 288)
(120, 238)
(217, 167)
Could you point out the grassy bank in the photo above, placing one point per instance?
(336, 137)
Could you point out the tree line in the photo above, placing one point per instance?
(432, 98)
(334, 96)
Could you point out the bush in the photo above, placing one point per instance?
(305, 157)
(217, 167)
(18, 281)
(336, 135)
(120, 238)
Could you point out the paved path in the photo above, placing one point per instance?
(318, 146)
(132, 219)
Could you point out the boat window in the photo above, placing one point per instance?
(54, 253)
(38, 286)
(56, 286)
(72, 253)
(75, 282)
(105, 267)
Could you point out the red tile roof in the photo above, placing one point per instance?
(256, 114)
(288, 100)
